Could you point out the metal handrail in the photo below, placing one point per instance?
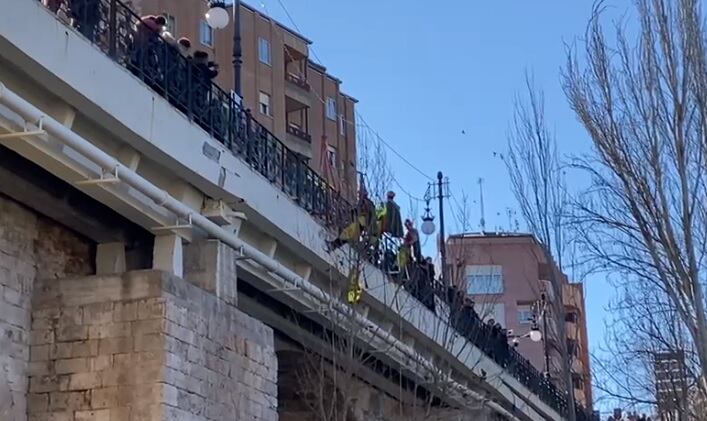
(120, 33)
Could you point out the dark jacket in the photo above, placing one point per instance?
(392, 221)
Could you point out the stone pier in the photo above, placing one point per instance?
(146, 345)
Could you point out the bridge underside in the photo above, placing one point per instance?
(91, 332)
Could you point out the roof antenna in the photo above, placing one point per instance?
(481, 200)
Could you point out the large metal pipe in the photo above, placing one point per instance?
(109, 164)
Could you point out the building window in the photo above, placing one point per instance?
(525, 315)
(484, 279)
(342, 125)
(264, 51)
(331, 156)
(264, 101)
(206, 34)
(171, 25)
(331, 108)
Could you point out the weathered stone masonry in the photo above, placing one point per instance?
(133, 346)
(146, 346)
(31, 247)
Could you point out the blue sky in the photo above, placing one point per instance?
(425, 71)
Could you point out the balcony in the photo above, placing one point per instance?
(296, 67)
(297, 80)
(295, 130)
(297, 126)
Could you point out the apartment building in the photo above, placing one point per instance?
(508, 278)
(288, 93)
(671, 382)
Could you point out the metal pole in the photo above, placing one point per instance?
(237, 50)
(442, 245)
(545, 336)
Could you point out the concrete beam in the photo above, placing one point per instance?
(211, 265)
(38, 189)
(187, 194)
(62, 112)
(303, 270)
(168, 254)
(110, 258)
(269, 246)
(129, 157)
(221, 214)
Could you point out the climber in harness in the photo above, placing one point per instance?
(355, 290)
(363, 224)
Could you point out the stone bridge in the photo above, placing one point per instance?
(150, 271)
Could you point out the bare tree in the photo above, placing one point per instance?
(538, 183)
(373, 161)
(330, 377)
(644, 329)
(644, 106)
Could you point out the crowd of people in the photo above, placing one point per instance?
(394, 245)
(380, 234)
(151, 52)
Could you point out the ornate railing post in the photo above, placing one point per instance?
(113, 29)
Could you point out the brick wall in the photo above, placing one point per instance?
(147, 346)
(31, 247)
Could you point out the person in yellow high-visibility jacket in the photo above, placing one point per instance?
(355, 290)
(364, 222)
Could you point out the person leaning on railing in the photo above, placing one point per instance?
(425, 283)
(145, 59)
(204, 71)
(84, 14)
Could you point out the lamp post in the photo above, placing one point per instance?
(534, 334)
(217, 18)
(436, 191)
(237, 51)
(544, 316)
(443, 244)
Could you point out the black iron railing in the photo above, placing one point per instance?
(186, 84)
(297, 80)
(493, 341)
(296, 131)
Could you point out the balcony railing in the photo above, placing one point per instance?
(296, 131)
(299, 81)
(119, 32)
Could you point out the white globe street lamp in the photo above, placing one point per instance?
(535, 335)
(217, 16)
(428, 225)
